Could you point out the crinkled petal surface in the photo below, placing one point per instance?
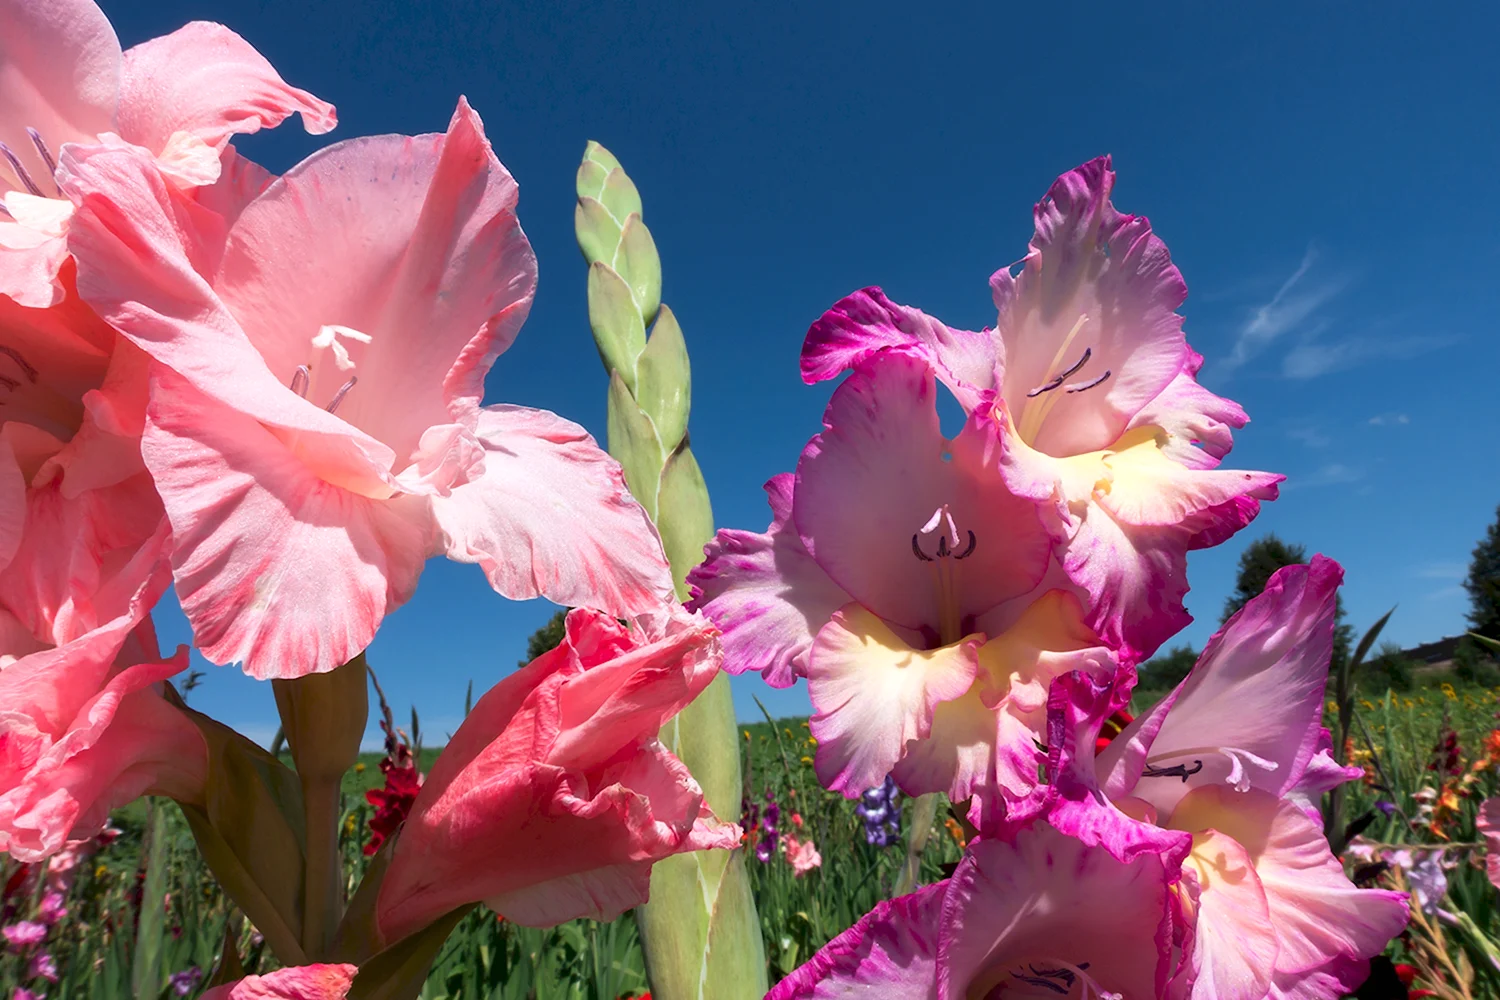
(302, 982)
(766, 593)
(550, 516)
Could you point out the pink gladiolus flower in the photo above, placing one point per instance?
(802, 855)
(52, 908)
(63, 79)
(315, 429)
(85, 728)
(1102, 421)
(1046, 916)
(900, 576)
(1489, 828)
(554, 797)
(302, 982)
(1212, 778)
(24, 934)
(42, 966)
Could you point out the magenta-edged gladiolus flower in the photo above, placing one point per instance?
(554, 797)
(1488, 823)
(314, 427)
(900, 576)
(84, 727)
(24, 934)
(301, 982)
(1212, 777)
(1045, 916)
(1103, 422)
(63, 79)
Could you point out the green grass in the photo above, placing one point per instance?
(96, 946)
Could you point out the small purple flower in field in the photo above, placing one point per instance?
(1387, 808)
(186, 981)
(42, 967)
(769, 843)
(880, 808)
(24, 933)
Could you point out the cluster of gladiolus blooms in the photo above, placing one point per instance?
(968, 614)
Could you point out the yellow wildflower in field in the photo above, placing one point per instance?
(1448, 691)
(807, 760)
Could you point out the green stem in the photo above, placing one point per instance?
(923, 815)
(322, 801)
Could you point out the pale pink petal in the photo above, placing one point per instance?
(1251, 710)
(766, 593)
(1338, 978)
(1234, 941)
(1094, 280)
(12, 502)
(1322, 774)
(597, 894)
(206, 80)
(29, 263)
(1046, 903)
(144, 253)
(1148, 487)
(1488, 824)
(275, 567)
(241, 181)
(890, 953)
(551, 517)
(1200, 424)
(1318, 915)
(881, 479)
(412, 242)
(303, 982)
(866, 322)
(59, 74)
(872, 693)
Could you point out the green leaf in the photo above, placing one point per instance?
(633, 443)
(620, 196)
(1369, 639)
(358, 936)
(684, 518)
(598, 234)
(1486, 641)
(145, 971)
(229, 968)
(398, 972)
(640, 266)
(598, 154)
(616, 320)
(324, 717)
(664, 381)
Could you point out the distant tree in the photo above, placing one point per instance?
(1391, 667)
(546, 638)
(1167, 670)
(1473, 664)
(1483, 583)
(1258, 563)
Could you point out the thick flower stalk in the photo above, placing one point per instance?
(699, 929)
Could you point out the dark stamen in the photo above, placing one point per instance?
(966, 553)
(1175, 771)
(46, 155)
(917, 549)
(21, 174)
(943, 551)
(1088, 385)
(9, 383)
(300, 378)
(1088, 352)
(22, 363)
(338, 397)
(1045, 983)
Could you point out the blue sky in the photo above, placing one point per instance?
(1323, 179)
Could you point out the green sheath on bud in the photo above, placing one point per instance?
(700, 931)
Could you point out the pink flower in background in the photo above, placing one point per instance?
(315, 429)
(802, 855)
(63, 79)
(554, 797)
(900, 576)
(84, 727)
(24, 934)
(1489, 828)
(53, 907)
(1043, 916)
(1209, 778)
(1102, 421)
(42, 966)
(303, 982)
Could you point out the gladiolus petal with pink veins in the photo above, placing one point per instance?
(301, 982)
(326, 372)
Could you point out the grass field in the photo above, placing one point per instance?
(1430, 754)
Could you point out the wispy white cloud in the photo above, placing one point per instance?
(1389, 419)
(1443, 593)
(1312, 435)
(1443, 570)
(1312, 357)
(1289, 309)
(1332, 474)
